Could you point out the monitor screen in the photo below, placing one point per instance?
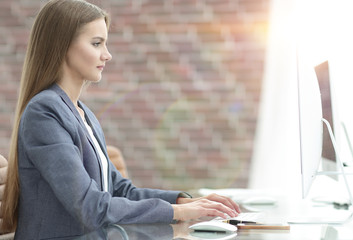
(310, 124)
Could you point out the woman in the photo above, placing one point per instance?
(60, 180)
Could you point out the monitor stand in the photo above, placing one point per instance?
(330, 219)
(349, 143)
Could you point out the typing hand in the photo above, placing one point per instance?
(212, 205)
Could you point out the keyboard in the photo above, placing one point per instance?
(246, 216)
(250, 216)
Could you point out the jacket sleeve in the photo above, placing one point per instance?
(124, 187)
(52, 144)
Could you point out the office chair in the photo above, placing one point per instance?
(117, 159)
(3, 176)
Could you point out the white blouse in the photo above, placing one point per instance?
(102, 157)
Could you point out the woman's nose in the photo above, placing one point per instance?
(106, 56)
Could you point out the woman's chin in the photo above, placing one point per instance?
(96, 80)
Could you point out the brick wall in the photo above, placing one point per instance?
(180, 96)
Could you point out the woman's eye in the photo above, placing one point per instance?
(96, 44)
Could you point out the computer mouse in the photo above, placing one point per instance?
(213, 226)
(259, 200)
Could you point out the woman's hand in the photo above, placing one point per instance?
(212, 205)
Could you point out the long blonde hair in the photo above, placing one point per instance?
(56, 25)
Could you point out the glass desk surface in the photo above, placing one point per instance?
(275, 214)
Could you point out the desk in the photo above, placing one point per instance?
(166, 232)
(277, 213)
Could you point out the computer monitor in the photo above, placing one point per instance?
(316, 106)
(313, 106)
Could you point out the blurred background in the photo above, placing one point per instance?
(180, 97)
(199, 93)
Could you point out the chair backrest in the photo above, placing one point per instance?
(118, 160)
(3, 175)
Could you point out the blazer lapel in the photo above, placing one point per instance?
(73, 109)
(98, 137)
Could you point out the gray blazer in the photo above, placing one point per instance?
(61, 179)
